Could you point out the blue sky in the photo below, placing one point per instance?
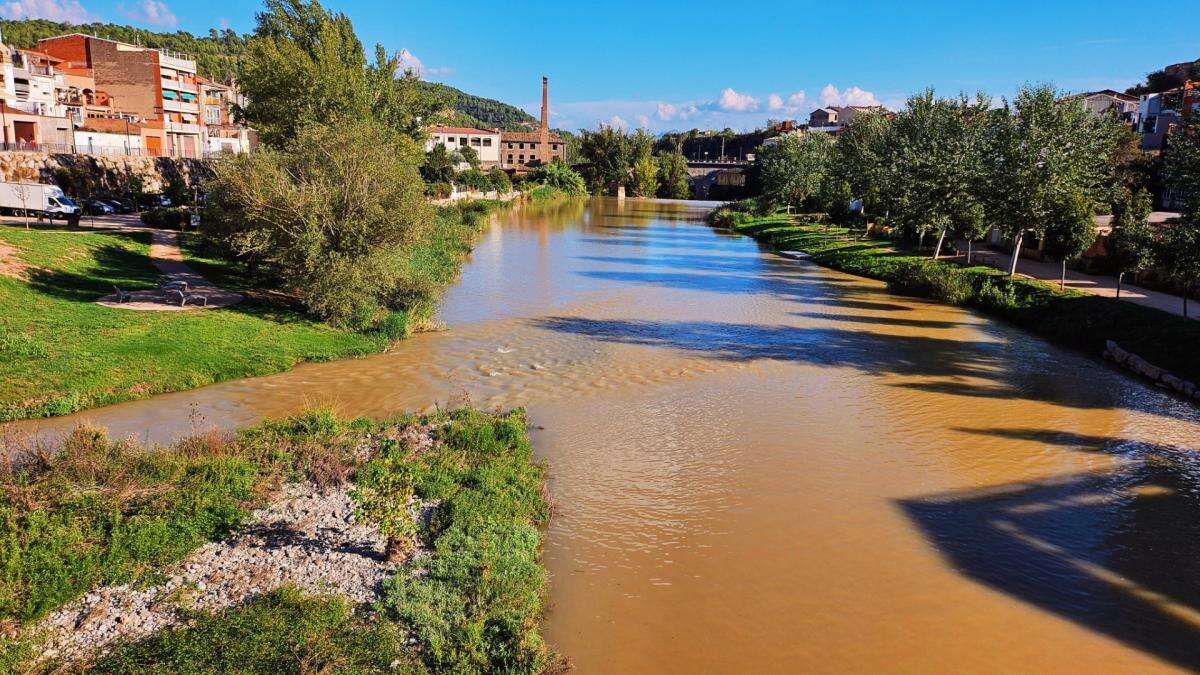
(678, 65)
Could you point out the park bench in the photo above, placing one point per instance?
(184, 298)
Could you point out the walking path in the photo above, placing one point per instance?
(168, 258)
(1104, 286)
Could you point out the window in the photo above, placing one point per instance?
(522, 146)
(476, 142)
(522, 159)
(462, 140)
(487, 142)
(510, 159)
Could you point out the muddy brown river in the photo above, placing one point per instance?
(759, 465)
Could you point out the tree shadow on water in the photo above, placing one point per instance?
(953, 366)
(1116, 552)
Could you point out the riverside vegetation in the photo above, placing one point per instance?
(466, 596)
(1079, 320)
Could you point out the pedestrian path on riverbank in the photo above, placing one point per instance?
(1103, 286)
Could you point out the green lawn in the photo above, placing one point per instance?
(1079, 320)
(60, 352)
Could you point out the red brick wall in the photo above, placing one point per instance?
(131, 77)
(73, 48)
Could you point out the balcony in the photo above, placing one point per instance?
(181, 128)
(176, 61)
(181, 106)
(178, 85)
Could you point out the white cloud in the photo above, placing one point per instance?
(617, 122)
(830, 96)
(732, 101)
(643, 121)
(65, 11)
(667, 111)
(793, 104)
(153, 12)
(410, 63)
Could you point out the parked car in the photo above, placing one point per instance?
(120, 205)
(155, 201)
(96, 207)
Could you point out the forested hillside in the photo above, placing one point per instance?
(483, 112)
(216, 54)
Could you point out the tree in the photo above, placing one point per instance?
(500, 181)
(1182, 166)
(469, 156)
(608, 155)
(934, 157)
(1038, 151)
(643, 177)
(673, 179)
(1180, 255)
(438, 166)
(305, 65)
(1070, 231)
(329, 217)
(1131, 245)
(793, 169)
(970, 223)
(859, 158)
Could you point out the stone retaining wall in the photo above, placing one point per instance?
(1113, 352)
(110, 174)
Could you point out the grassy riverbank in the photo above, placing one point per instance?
(1078, 320)
(101, 512)
(60, 352)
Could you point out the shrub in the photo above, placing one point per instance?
(439, 190)
(561, 177)
(473, 179)
(171, 217)
(500, 180)
(929, 279)
(341, 247)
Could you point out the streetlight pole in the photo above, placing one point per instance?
(127, 140)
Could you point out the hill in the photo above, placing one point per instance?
(476, 111)
(1168, 78)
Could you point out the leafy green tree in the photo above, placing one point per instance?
(1037, 151)
(328, 218)
(1070, 232)
(793, 169)
(1179, 252)
(469, 156)
(970, 223)
(673, 179)
(859, 159)
(1131, 244)
(500, 180)
(645, 177)
(305, 65)
(934, 153)
(439, 164)
(1182, 166)
(608, 154)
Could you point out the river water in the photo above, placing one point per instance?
(759, 465)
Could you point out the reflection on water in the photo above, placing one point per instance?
(760, 465)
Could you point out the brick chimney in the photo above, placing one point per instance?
(543, 153)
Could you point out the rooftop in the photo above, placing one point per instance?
(438, 129)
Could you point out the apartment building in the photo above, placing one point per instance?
(159, 89)
(219, 132)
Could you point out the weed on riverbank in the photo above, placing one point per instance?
(1079, 320)
(469, 597)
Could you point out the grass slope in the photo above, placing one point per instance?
(1079, 320)
(60, 352)
(100, 511)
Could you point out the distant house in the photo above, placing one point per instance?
(522, 150)
(823, 117)
(1108, 101)
(486, 144)
(1160, 113)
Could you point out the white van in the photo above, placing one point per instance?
(48, 200)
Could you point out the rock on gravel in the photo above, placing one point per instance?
(307, 538)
